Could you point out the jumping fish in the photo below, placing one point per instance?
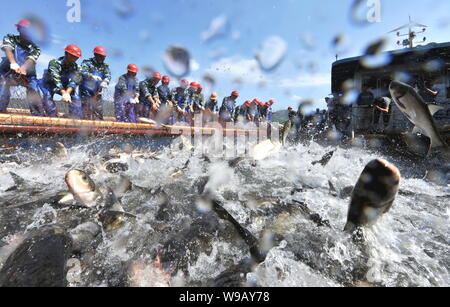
(373, 194)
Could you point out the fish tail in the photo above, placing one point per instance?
(349, 227)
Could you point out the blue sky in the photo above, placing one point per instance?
(307, 27)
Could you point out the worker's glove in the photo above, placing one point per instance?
(66, 98)
(135, 100)
(14, 67)
(96, 78)
(104, 84)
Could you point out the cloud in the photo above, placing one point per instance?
(42, 63)
(305, 81)
(57, 39)
(296, 98)
(44, 58)
(248, 70)
(238, 67)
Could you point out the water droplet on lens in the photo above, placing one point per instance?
(434, 65)
(334, 135)
(358, 13)
(209, 80)
(403, 77)
(271, 53)
(124, 8)
(238, 81)
(338, 40)
(376, 61)
(236, 35)
(217, 53)
(375, 47)
(148, 71)
(177, 61)
(144, 35)
(218, 28)
(203, 206)
(437, 177)
(38, 32)
(340, 44)
(350, 97)
(308, 41)
(358, 142)
(117, 53)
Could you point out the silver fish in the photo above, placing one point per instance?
(373, 194)
(60, 151)
(417, 111)
(82, 188)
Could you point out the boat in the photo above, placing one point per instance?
(413, 65)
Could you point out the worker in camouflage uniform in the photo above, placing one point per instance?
(266, 111)
(164, 93)
(198, 101)
(180, 97)
(212, 108)
(63, 77)
(18, 68)
(269, 110)
(245, 111)
(96, 77)
(149, 98)
(226, 112)
(190, 101)
(126, 96)
(253, 111)
(165, 97)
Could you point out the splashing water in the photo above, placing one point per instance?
(409, 246)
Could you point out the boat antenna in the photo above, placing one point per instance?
(411, 35)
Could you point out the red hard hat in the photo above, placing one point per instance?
(268, 104)
(73, 50)
(157, 75)
(166, 79)
(272, 101)
(193, 84)
(255, 101)
(100, 50)
(185, 82)
(247, 103)
(235, 94)
(133, 68)
(291, 108)
(199, 86)
(23, 23)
